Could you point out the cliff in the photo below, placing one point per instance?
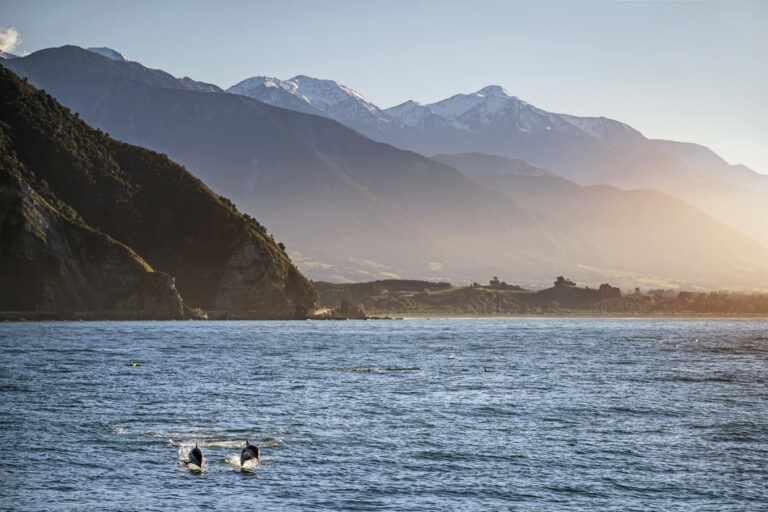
(54, 264)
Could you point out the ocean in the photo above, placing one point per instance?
(449, 414)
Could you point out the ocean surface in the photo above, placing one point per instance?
(512, 414)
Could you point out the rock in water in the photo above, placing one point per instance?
(349, 311)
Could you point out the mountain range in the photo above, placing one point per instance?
(351, 208)
(341, 201)
(587, 150)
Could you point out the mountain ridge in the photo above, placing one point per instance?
(649, 228)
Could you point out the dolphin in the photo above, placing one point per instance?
(196, 456)
(250, 452)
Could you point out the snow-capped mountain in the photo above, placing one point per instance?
(109, 53)
(314, 96)
(495, 106)
(494, 121)
(436, 127)
(490, 100)
(607, 130)
(280, 93)
(415, 115)
(6, 55)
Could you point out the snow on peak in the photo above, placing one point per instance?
(602, 128)
(411, 114)
(256, 81)
(494, 90)
(109, 53)
(6, 55)
(455, 106)
(276, 83)
(325, 94)
(408, 106)
(488, 107)
(326, 97)
(248, 86)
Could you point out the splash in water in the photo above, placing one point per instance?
(184, 461)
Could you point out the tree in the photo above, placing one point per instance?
(495, 281)
(609, 292)
(562, 282)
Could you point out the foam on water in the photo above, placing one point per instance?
(234, 461)
(183, 458)
(222, 443)
(119, 429)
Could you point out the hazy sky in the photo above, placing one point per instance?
(690, 71)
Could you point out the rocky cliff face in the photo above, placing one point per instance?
(82, 207)
(263, 280)
(51, 263)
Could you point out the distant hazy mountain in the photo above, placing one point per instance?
(479, 165)
(96, 225)
(645, 229)
(347, 207)
(6, 55)
(587, 150)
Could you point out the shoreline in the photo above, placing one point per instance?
(576, 316)
(417, 316)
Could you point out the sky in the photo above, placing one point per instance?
(694, 71)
